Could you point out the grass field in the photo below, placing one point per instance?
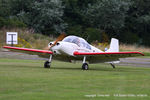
(28, 80)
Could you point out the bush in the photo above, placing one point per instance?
(75, 30)
(129, 38)
(93, 34)
(2, 22)
(23, 43)
(15, 23)
(11, 23)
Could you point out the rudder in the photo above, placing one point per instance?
(114, 45)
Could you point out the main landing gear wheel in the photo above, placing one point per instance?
(47, 64)
(85, 66)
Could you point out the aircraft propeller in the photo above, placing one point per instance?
(60, 38)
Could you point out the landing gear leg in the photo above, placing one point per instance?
(112, 65)
(47, 64)
(85, 65)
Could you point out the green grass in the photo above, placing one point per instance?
(28, 80)
(147, 54)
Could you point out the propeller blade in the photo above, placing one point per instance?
(60, 38)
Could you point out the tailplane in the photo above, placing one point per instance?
(114, 45)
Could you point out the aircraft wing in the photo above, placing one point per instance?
(106, 56)
(42, 53)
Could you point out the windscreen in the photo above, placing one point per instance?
(78, 41)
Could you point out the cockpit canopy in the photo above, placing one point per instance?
(77, 40)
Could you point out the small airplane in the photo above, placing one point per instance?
(74, 48)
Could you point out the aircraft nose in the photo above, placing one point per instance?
(51, 46)
(56, 49)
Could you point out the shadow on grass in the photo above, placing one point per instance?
(95, 68)
(106, 68)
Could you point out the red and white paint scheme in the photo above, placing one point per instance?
(73, 48)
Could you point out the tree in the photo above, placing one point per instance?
(107, 14)
(4, 8)
(73, 10)
(45, 16)
(138, 21)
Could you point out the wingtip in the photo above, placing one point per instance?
(142, 54)
(7, 47)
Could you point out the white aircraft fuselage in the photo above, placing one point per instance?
(71, 44)
(67, 48)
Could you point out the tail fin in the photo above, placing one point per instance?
(114, 45)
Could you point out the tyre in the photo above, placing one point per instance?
(47, 64)
(85, 66)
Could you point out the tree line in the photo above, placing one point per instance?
(94, 20)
